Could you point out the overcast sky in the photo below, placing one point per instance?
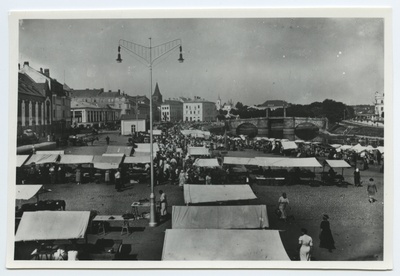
(246, 60)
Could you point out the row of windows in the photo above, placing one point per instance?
(190, 107)
(194, 112)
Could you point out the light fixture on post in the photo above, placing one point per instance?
(180, 55)
(148, 55)
(119, 59)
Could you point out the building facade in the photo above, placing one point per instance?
(34, 101)
(199, 110)
(172, 111)
(93, 114)
(59, 103)
(130, 124)
(379, 106)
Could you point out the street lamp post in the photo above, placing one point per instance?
(148, 55)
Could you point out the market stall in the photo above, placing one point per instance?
(221, 244)
(219, 217)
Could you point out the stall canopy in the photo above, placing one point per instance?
(216, 193)
(338, 164)
(21, 159)
(119, 150)
(76, 159)
(206, 163)
(26, 192)
(157, 132)
(106, 162)
(198, 151)
(52, 225)
(59, 152)
(287, 162)
(287, 145)
(237, 160)
(114, 154)
(358, 148)
(221, 244)
(381, 149)
(137, 159)
(145, 147)
(219, 217)
(42, 159)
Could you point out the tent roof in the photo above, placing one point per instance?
(216, 193)
(52, 225)
(106, 162)
(359, 148)
(42, 158)
(221, 244)
(198, 151)
(381, 149)
(286, 145)
(156, 131)
(21, 159)
(60, 152)
(114, 154)
(206, 163)
(338, 164)
(145, 147)
(287, 162)
(237, 160)
(118, 150)
(26, 192)
(219, 217)
(76, 159)
(137, 159)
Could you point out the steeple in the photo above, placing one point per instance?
(157, 97)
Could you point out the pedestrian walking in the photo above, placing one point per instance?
(182, 178)
(78, 176)
(371, 189)
(305, 246)
(357, 178)
(117, 177)
(163, 204)
(325, 237)
(107, 177)
(283, 203)
(208, 179)
(108, 140)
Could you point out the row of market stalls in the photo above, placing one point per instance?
(212, 226)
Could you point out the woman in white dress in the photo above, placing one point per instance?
(306, 244)
(283, 203)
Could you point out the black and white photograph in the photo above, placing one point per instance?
(246, 138)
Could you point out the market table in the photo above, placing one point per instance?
(101, 219)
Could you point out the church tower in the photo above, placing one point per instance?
(157, 97)
(218, 103)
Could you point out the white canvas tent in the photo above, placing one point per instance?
(237, 160)
(219, 217)
(52, 225)
(338, 164)
(26, 192)
(42, 158)
(287, 145)
(119, 150)
(358, 148)
(198, 151)
(216, 193)
(288, 162)
(106, 162)
(223, 245)
(21, 159)
(76, 159)
(137, 159)
(157, 132)
(59, 152)
(381, 149)
(206, 162)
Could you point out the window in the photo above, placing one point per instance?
(381, 108)
(199, 106)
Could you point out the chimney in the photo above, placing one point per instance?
(47, 72)
(19, 66)
(26, 63)
(41, 70)
(119, 92)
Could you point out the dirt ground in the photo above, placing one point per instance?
(357, 225)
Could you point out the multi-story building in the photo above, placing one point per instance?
(116, 100)
(379, 106)
(59, 102)
(172, 111)
(93, 114)
(199, 110)
(33, 106)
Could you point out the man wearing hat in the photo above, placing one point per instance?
(371, 189)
